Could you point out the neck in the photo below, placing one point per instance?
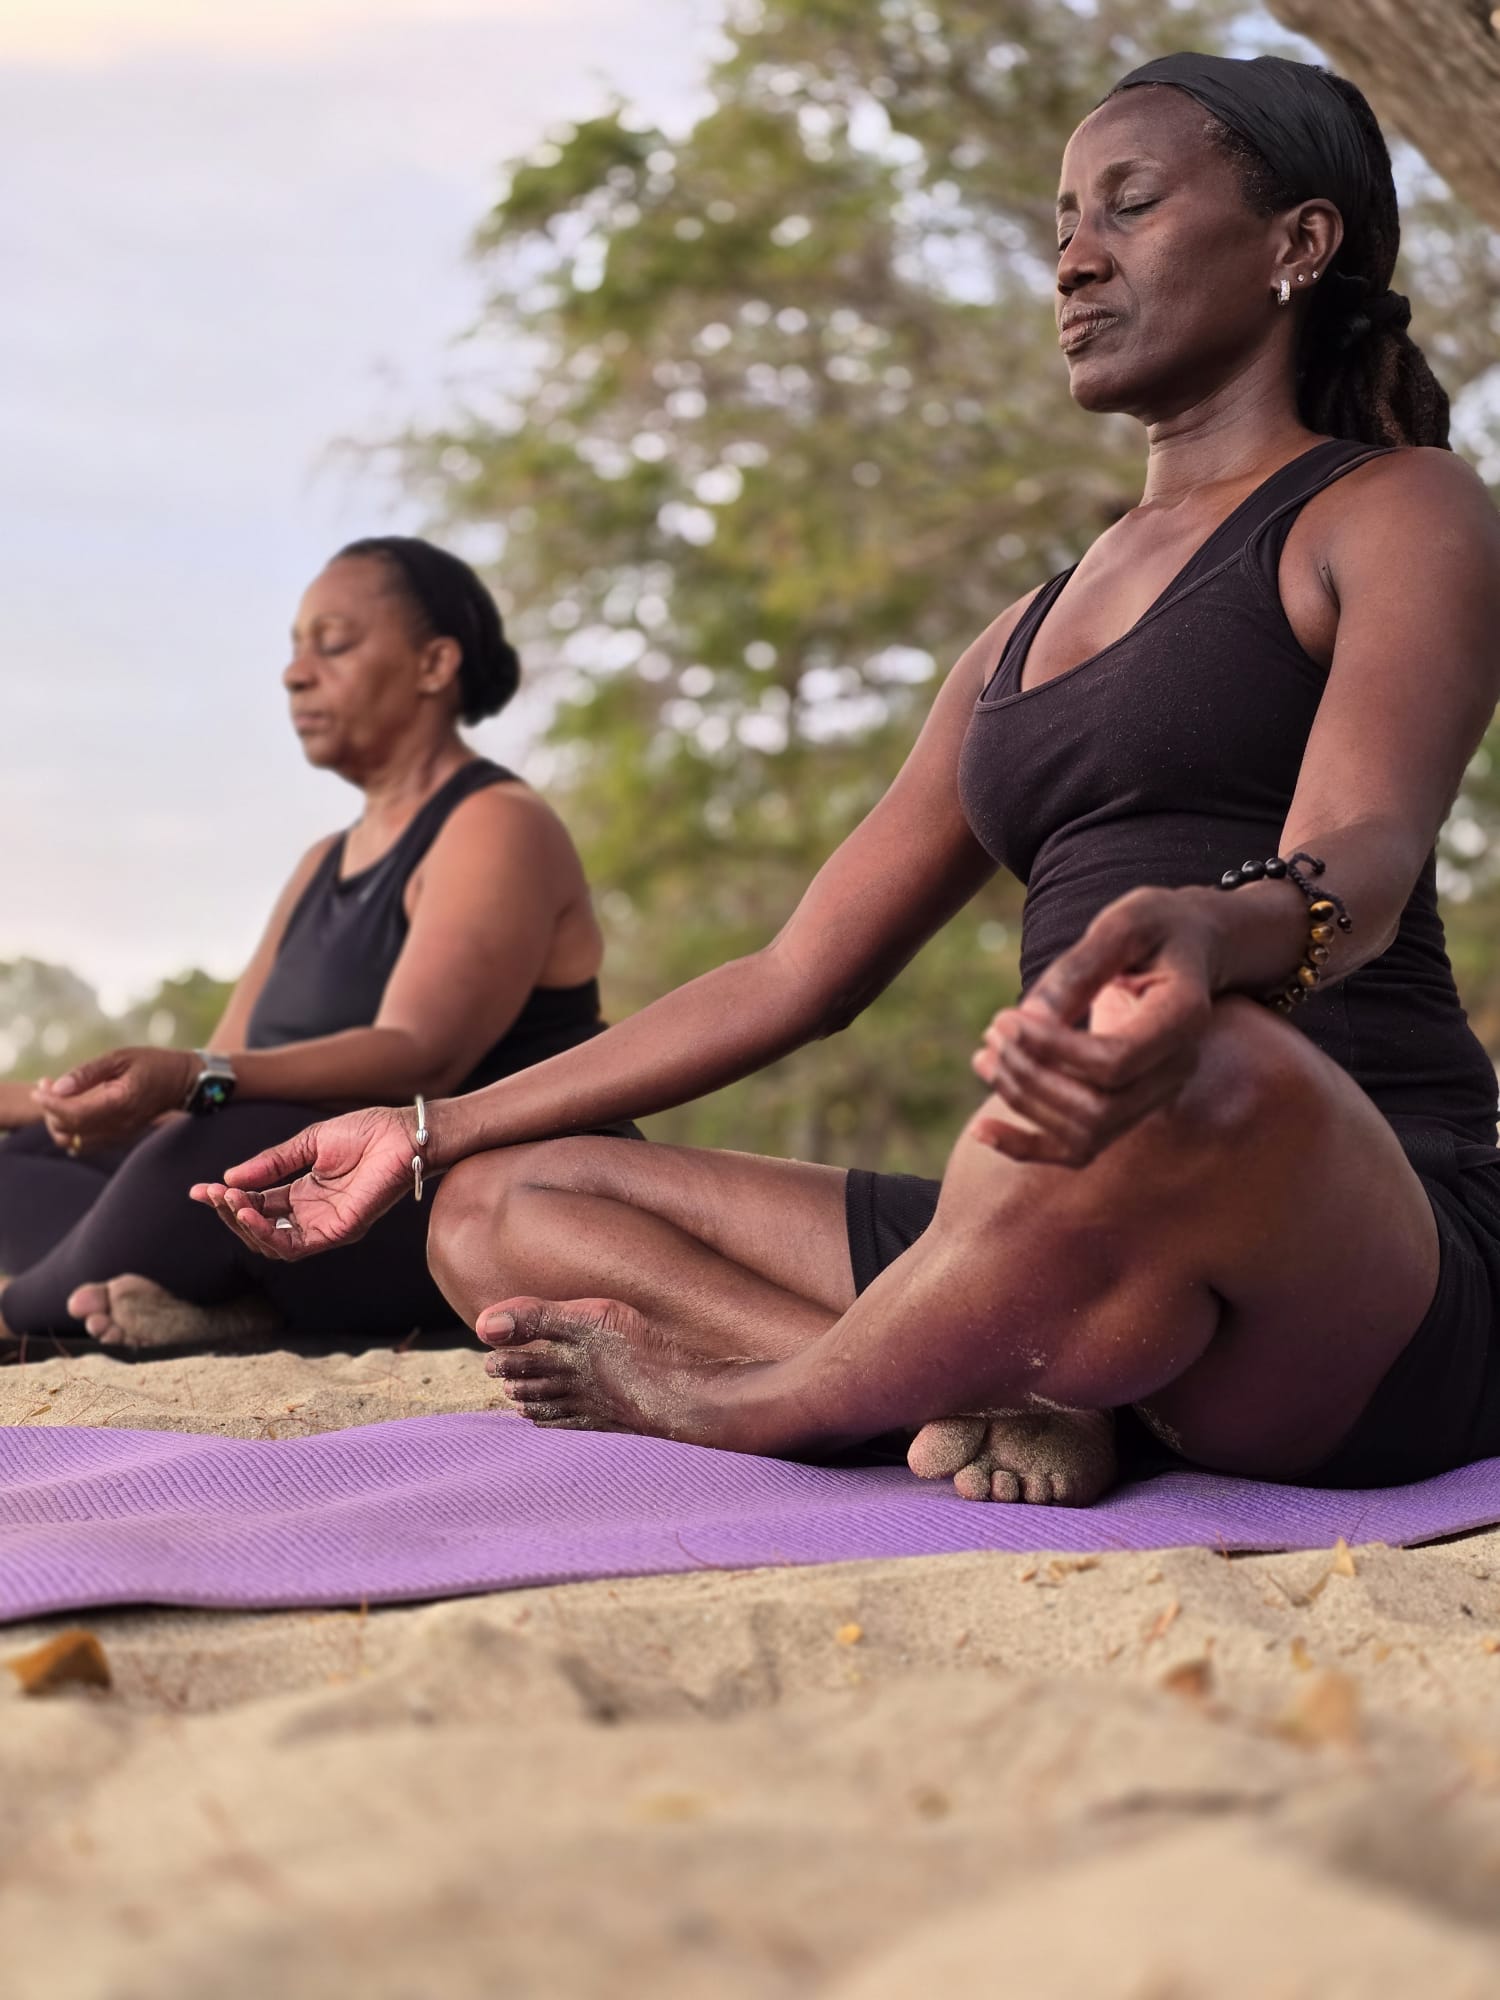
(397, 785)
(1241, 431)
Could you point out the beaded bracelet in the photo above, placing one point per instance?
(1325, 911)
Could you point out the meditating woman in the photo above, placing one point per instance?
(1218, 751)
(445, 940)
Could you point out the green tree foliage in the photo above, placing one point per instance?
(51, 1019)
(772, 422)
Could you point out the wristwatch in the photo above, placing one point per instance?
(212, 1087)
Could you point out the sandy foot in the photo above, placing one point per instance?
(1063, 1458)
(589, 1364)
(131, 1311)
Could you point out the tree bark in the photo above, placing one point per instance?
(1431, 68)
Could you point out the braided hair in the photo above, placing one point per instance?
(449, 601)
(1296, 132)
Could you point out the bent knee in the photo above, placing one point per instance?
(479, 1202)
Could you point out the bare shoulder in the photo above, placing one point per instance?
(508, 822)
(1420, 489)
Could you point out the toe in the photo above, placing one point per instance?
(940, 1450)
(1004, 1485)
(538, 1358)
(1038, 1488)
(546, 1391)
(87, 1301)
(512, 1320)
(972, 1482)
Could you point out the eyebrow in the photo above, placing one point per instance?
(324, 618)
(1113, 174)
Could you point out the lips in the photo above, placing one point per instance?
(1081, 324)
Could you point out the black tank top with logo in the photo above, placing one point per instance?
(343, 939)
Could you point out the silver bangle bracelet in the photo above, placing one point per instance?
(416, 1158)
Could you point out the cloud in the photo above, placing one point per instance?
(94, 31)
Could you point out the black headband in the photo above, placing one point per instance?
(1295, 116)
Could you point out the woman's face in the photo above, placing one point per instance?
(359, 678)
(1165, 275)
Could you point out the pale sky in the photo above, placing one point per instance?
(229, 237)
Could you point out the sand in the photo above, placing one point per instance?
(1131, 1778)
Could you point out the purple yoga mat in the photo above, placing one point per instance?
(441, 1506)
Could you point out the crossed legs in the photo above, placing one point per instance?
(1243, 1267)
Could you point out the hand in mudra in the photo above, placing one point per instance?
(115, 1096)
(349, 1170)
(1108, 1034)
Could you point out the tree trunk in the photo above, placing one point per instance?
(1431, 68)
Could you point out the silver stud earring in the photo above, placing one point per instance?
(1284, 292)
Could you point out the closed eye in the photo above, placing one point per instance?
(1135, 208)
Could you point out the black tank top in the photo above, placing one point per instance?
(1172, 755)
(344, 937)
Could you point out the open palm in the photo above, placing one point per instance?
(349, 1170)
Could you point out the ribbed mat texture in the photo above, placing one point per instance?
(445, 1505)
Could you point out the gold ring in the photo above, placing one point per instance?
(75, 1145)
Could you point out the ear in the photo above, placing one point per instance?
(1308, 239)
(438, 671)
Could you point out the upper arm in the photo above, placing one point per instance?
(1415, 567)
(910, 863)
(493, 886)
(234, 1023)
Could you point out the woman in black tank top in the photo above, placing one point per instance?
(444, 941)
(1275, 1237)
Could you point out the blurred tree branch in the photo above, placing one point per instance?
(1431, 68)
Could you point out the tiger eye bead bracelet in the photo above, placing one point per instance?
(1325, 913)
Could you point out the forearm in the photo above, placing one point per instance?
(361, 1066)
(1261, 929)
(17, 1106)
(709, 1033)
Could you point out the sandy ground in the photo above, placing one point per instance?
(1136, 1778)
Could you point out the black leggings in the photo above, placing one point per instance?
(67, 1222)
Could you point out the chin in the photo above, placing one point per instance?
(1095, 386)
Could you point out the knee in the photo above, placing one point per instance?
(476, 1209)
(467, 1209)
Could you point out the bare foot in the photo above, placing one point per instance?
(595, 1364)
(133, 1312)
(1063, 1457)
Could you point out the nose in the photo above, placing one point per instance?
(297, 673)
(1085, 261)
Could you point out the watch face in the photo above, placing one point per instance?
(215, 1093)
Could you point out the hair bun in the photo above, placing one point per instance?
(1387, 312)
(1390, 312)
